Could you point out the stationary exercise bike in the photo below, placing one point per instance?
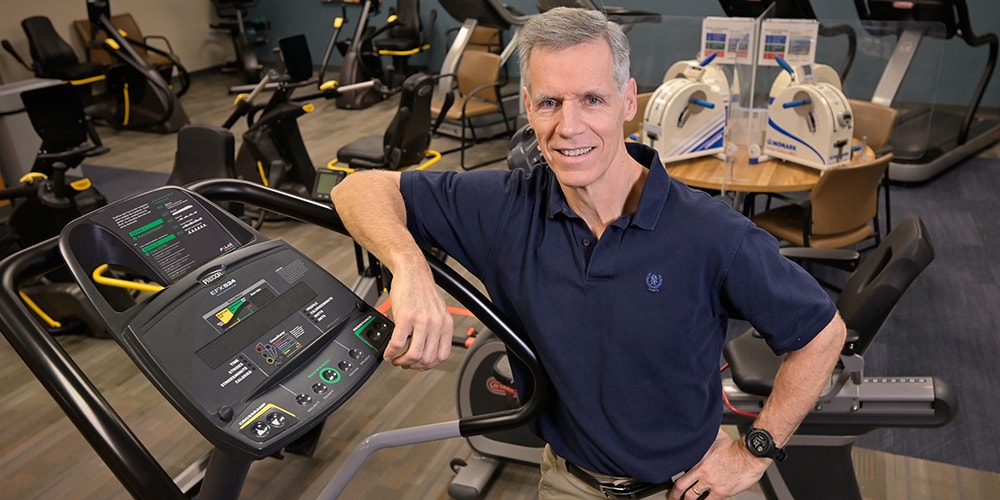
(48, 199)
(273, 152)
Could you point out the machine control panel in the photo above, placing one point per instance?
(254, 343)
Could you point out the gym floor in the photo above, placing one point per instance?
(43, 456)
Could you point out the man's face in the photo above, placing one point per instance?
(577, 111)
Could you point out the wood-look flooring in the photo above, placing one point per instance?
(43, 456)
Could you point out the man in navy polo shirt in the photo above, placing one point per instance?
(623, 278)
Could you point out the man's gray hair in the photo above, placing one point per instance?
(563, 27)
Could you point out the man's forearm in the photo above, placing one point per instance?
(372, 209)
(800, 380)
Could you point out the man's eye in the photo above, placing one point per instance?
(547, 103)
(593, 100)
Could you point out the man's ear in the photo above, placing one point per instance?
(525, 100)
(631, 99)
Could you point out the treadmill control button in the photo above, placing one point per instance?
(345, 365)
(329, 375)
(276, 419)
(226, 413)
(260, 429)
(319, 388)
(355, 353)
(375, 335)
(303, 399)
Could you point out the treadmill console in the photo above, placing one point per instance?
(252, 341)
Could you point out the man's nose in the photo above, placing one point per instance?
(570, 120)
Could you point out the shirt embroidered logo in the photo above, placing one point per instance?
(654, 282)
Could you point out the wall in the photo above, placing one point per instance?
(184, 22)
(654, 47)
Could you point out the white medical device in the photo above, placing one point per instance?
(809, 119)
(686, 115)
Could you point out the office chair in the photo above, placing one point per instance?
(476, 94)
(407, 138)
(841, 210)
(406, 37)
(51, 56)
(873, 123)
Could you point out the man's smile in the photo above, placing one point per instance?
(574, 152)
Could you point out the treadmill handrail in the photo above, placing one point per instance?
(95, 418)
(965, 28)
(963, 22)
(241, 191)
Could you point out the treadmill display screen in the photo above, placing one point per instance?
(173, 232)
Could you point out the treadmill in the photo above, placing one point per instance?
(927, 140)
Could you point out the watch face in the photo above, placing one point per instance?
(758, 442)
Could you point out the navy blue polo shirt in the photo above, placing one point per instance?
(629, 327)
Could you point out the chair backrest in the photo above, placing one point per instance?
(883, 276)
(485, 38)
(847, 198)
(49, 51)
(203, 152)
(873, 121)
(57, 116)
(478, 68)
(408, 25)
(408, 135)
(95, 53)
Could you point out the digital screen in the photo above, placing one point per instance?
(325, 181)
(171, 230)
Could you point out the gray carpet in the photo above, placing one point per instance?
(948, 323)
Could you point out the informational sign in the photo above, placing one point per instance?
(792, 39)
(728, 37)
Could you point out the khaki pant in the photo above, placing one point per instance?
(557, 483)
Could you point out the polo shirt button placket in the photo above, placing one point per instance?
(586, 242)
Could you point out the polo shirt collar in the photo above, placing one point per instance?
(651, 202)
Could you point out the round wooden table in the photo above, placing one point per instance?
(771, 176)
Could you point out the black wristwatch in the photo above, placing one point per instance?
(761, 444)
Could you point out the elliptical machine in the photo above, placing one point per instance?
(139, 96)
(361, 61)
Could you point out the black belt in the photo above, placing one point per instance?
(625, 489)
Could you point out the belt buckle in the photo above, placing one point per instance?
(631, 489)
(624, 490)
